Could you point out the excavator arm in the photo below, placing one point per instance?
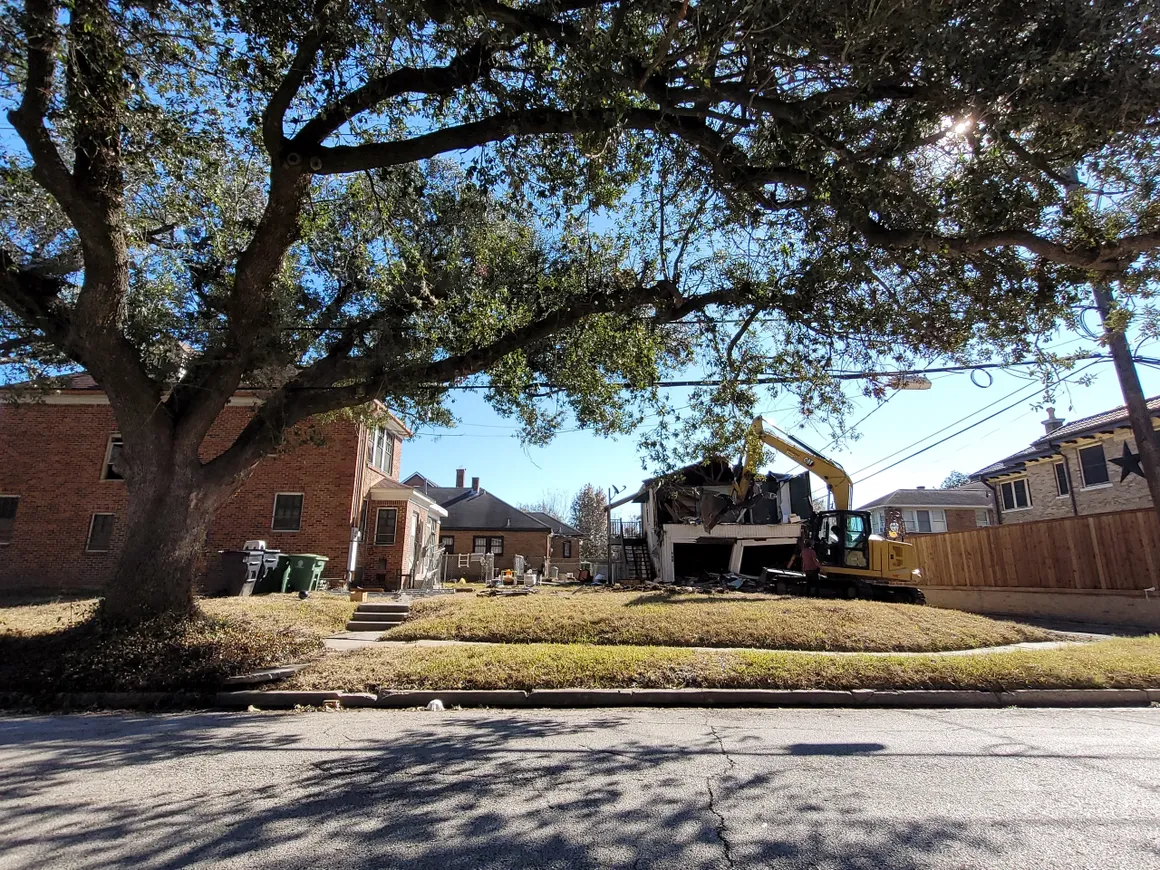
(833, 474)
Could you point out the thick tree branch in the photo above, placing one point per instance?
(28, 118)
(274, 115)
(1109, 257)
(445, 80)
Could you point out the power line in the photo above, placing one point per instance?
(1015, 404)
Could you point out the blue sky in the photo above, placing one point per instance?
(485, 443)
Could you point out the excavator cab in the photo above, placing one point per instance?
(841, 539)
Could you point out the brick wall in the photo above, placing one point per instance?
(1046, 503)
(53, 456)
(565, 564)
(383, 563)
(533, 546)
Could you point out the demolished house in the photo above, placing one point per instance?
(692, 523)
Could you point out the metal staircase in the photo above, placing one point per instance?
(638, 564)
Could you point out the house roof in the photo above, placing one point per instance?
(418, 480)
(1105, 421)
(558, 527)
(469, 509)
(974, 495)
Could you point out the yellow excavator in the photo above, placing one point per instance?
(855, 563)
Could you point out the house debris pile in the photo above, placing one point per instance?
(712, 525)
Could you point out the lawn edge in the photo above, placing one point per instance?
(589, 698)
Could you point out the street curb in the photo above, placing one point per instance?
(591, 698)
(63, 701)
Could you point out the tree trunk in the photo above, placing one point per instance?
(1147, 443)
(167, 519)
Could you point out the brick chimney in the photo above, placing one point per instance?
(475, 484)
(1052, 422)
(459, 474)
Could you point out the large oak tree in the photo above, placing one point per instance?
(343, 200)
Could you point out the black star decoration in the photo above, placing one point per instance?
(1129, 464)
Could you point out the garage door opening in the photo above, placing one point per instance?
(756, 558)
(692, 560)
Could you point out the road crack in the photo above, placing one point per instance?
(722, 826)
(722, 829)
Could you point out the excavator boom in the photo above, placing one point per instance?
(833, 474)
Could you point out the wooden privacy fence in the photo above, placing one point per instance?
(1114, 552)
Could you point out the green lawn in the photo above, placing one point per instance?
(662, 619)
(1120, 663)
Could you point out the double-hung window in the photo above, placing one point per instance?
(386, 520)
(1016, 496)
(1062, 484)
(8, 505)
(481, 545)
(287, 512)
(1094, 465)
(381, 450)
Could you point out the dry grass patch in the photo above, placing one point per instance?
(61, 647)
(1120, 663)
(662, 619)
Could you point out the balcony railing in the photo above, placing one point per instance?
(627, 529)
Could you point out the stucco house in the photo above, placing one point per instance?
(1086, 466)
(929, 511)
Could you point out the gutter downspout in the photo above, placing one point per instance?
(995, 498)
(1070, 488)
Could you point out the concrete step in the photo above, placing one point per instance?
(389, 607)
(369, 625)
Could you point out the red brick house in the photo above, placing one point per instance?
(60, 494)
(479, 523)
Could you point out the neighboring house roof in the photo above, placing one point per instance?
(1105, 421)
(417, 480)
(975, 495)
(1014, 462)
(469, 509)
(558, 527)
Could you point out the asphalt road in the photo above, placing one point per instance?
(576, 789)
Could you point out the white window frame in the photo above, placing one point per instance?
(448, 548)
(1056, 467)
(1083, 474)
(1026, 491)
(92, 523)
(274, 512)
(488, 545)
(16, 498)
(394, 527)
(985, 516)
(106, 468)
(381, 446)
(936, 517)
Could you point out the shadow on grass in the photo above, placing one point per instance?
(479, 792)
(706, 598)
(168, 654)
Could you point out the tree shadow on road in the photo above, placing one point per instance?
(456, 791)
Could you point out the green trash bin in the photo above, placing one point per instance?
(304, 571)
